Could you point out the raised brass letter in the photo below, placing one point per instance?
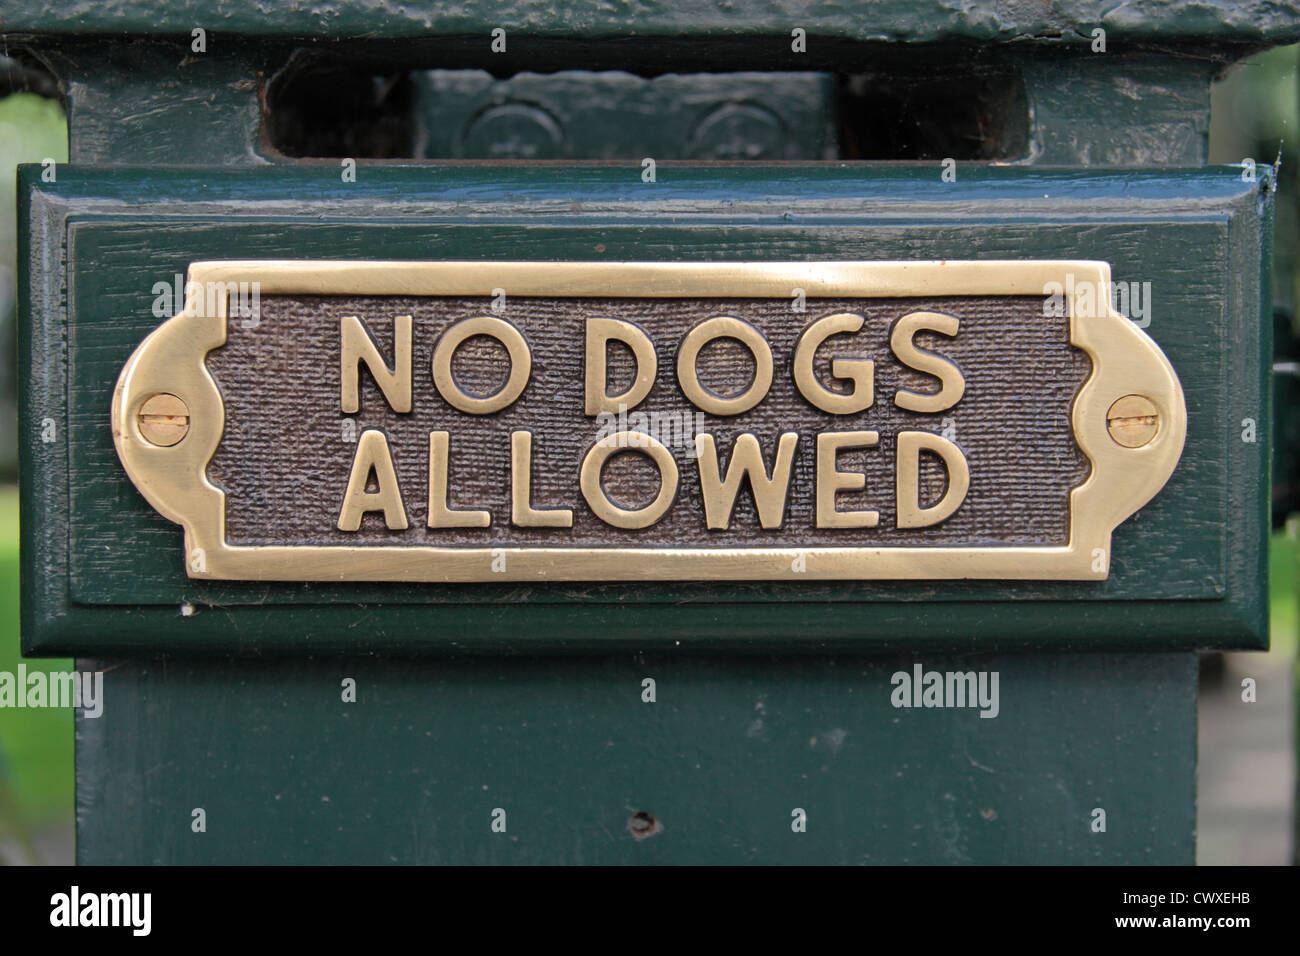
(356, 346)
(594, 490)
(724, 327)
(372, 456)
(859, 371)
(951, 383)
(599, 334)
(746, 461)
(440, 515)
(831, 481)
(521, 364)
(910, 512)
(522, 513)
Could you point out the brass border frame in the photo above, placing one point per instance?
(1125, 360)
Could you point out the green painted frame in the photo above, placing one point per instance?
(1188, 571)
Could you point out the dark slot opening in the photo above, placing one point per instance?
(325, 111)
(933, 117)
(21, 73)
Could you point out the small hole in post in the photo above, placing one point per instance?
(643, 825)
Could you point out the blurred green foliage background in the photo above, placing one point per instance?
(36, 790)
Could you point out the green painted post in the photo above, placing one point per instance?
(513, 724)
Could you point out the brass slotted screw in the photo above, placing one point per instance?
(1133, 421)
(163, 419)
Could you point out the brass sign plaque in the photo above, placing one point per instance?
(581, 421)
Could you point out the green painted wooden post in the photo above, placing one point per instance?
(768, 704)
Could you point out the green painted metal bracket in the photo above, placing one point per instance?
(913, 21)
(468, 114)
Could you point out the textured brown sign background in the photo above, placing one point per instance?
(284, 463)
